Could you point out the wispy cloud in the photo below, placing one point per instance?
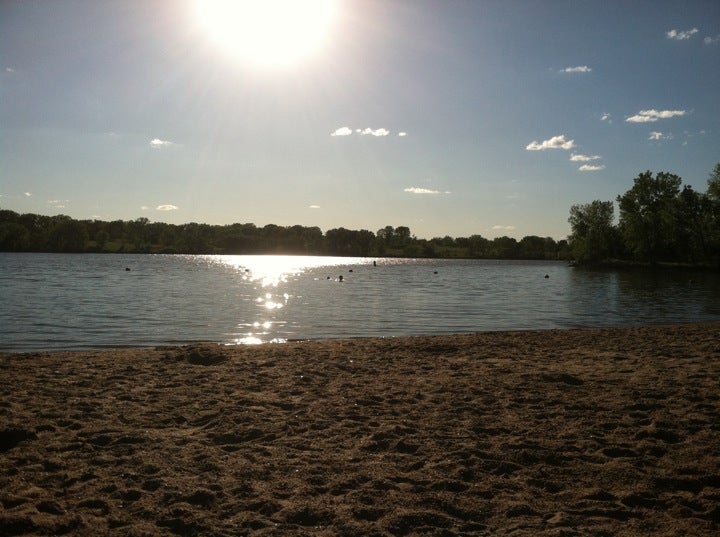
(314, 207)
(656, 135)
(584, 158)
(57, 204)
(498, 227)
(342, 131)
(402, 134)
(712, 40)
(591, 168)
(28, 194)
(167, 207)
(418, 190)
(556, 142)
(650, 116)
(578, 69)
(9, 70)
(157, 143)
(606, 117)
(681, 36)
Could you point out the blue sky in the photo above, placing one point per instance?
(449, 117)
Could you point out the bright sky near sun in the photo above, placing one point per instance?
(451, 117)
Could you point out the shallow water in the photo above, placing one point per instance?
(58, 301)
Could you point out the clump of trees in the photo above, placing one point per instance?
(660, 221)
(37, 233)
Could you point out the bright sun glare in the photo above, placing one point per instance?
(267, 33)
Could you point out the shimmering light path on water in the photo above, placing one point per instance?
(56, 301)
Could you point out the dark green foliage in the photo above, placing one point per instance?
(593, 236)
(649, 216)
(36, 233)
(661, 221)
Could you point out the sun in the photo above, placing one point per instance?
(267, 33)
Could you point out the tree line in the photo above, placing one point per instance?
(38, 233)
(660, 221)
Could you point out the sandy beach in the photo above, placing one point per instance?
(597, 432)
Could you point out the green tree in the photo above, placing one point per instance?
(67, 235)
(648, 216)
(14, 237)
(694, 229)
(532, 247)
(713, 190)
(713, 201)
(504, 247)
(592, 231)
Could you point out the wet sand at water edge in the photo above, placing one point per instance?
(598, 432)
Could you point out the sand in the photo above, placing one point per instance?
(563, 432)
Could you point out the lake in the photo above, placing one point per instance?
(83, 301)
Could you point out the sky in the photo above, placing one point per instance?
(450, 117)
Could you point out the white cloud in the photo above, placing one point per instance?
(28, 194)
(347, 131)
(376, 132)
(650, 116)
(712, 40)
(342, 131)
(314, 206)
(58, 204)
(167, 208)
(681, 36)
(556, 142)
(503, 228)
(591, 168)
(578, 69)
(144, 208)
(584, 158)
(656, 135)
(157, 143)
(418, 190)
(606, 117)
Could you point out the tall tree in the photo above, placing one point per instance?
(714, 184)
(592, 237)
(713, 199)
(648, 216)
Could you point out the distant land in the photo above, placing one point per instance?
(39, 233)
(661, 222)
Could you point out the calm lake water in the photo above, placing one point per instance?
(56, 301)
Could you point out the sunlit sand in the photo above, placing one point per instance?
(594, 432)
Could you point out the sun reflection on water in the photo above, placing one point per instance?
(267, 274)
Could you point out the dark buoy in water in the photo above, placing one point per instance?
(374, 263)
(127, 269)
(435, 272)
(340, 278)
(350, 270)
(547, 275)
